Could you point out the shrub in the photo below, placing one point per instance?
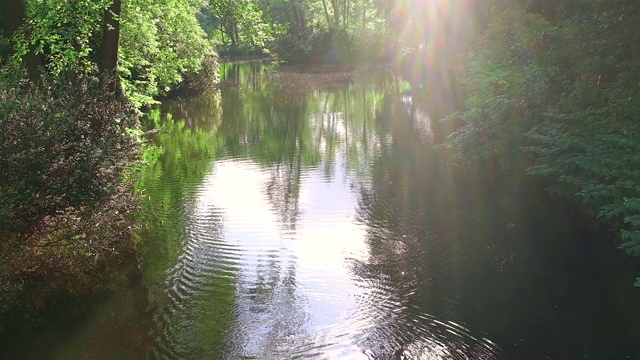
(65, 202)
(207, 78)
(568, 95)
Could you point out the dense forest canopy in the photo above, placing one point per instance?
(339, 30)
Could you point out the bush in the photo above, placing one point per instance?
(589, 146)
(568, 95)
(65, 201)
(508, 87)
(207, 78)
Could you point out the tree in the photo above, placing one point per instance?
(68, 145)
(160, 41)
(147, 44)
(15, 17)
(239, 25)
(111, 41)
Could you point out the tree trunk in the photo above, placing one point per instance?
(236, 34)
(15, 17)
(301, 18)
(364, 13)
(336, 12)
(345, 14)
(326, 12)
(110, 43)
(295, 18)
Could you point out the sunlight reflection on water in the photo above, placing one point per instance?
(296, 293)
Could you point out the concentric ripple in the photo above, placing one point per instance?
(292, 247)
(264, 289)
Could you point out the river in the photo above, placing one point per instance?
(309, 213)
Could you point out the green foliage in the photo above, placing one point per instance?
(239, 27)
(65, 188)
(298, 30)
(591, 145)
(597, 164)
(205, 79)
(160, 41)
(64, 33)
(572, 89)
(64, 147)
(68, 148)
(507, 81)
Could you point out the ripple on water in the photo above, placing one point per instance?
(393, 318)
(206, 266)
(315, 290)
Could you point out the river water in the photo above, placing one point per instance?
(309, 213)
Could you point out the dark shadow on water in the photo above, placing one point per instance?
(107, 325)
(493, 254)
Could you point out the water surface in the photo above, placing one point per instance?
(308, 213)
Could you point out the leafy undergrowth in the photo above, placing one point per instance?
(68, 152)
(558, 97)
